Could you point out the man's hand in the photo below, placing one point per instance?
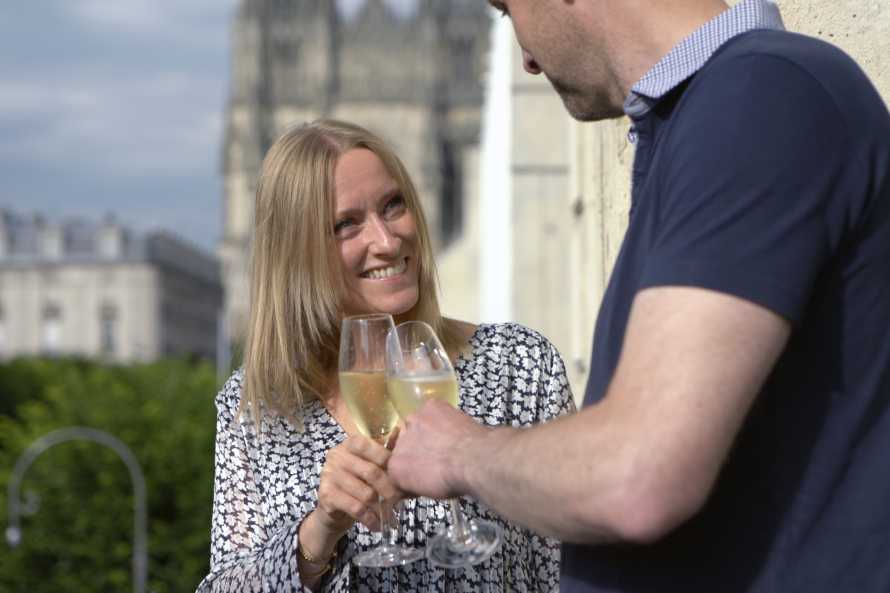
(432, 453)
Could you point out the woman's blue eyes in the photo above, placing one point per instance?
(342, 225)
(397, 202)
(394, 206)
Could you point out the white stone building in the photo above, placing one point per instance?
(99, 290)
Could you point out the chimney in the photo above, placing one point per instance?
(5, 232)
(50, 241)
(111, 239)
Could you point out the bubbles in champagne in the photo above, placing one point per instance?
(365, 396)
(408, 392)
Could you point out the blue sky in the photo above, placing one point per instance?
(117, 106)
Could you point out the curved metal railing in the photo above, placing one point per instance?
(17, 507)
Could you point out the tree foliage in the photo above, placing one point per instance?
(80, 538)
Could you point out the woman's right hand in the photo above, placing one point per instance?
(353, 476)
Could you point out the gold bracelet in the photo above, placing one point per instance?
(311, 560)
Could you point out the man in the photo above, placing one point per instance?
(736, 433)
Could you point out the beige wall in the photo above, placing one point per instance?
(859, 27)
(459, 264)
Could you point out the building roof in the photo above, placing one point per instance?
(34, 240)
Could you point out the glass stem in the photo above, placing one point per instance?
(389, 525)
(458, 520)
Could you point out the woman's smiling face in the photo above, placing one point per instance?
(376, 237)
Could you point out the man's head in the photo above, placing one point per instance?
(594, 51)
(559, 39)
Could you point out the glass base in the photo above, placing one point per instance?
(450, 550)
(385, 556)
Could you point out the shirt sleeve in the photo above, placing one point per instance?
(541, 373)
(244, 556)
(753, 179)
(556, 398)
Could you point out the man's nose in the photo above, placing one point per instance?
(529, 63)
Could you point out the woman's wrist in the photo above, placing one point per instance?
(317, 543)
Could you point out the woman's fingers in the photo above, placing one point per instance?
(342, 509)
(351, 485)
(368, 450)
(392, 438)
(370, 464)
(352, 481)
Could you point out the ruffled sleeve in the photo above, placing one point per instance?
(244, 556)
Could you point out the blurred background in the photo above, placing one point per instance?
(131, 133)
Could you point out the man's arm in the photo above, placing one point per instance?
(637, 464)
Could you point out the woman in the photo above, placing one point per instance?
(339, 231)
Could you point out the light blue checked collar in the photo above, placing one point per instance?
(691, 54)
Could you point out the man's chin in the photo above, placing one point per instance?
(584, 108)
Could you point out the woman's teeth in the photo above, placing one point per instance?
(382, 273)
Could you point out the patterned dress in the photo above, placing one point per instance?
(266, 484)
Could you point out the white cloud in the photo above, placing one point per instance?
(20, 100)
(184, 22)
(168, 123)
(133, 15)
(121, 100)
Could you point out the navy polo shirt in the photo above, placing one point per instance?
(766, 175)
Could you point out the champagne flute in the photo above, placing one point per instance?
(362, 377)
(418, 369)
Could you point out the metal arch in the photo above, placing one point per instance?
(140, 548)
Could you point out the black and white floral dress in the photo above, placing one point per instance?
(266, 484)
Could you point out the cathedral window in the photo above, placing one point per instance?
(462, 61)
(451, 198)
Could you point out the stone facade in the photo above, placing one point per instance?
(99, 290)
(416, 80)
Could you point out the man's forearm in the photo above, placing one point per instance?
(531, 476)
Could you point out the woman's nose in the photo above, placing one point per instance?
(382, 239)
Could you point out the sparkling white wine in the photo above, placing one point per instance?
(407, 393)
(365, 396)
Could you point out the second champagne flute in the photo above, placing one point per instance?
(418, 369)
(362, 377)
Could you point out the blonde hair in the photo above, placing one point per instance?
(297, 285)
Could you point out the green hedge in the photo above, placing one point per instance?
(80, 538)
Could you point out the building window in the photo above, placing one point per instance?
(108, 329)
(451, 198)
(3, 338)
(51, 334)
(463, 58)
